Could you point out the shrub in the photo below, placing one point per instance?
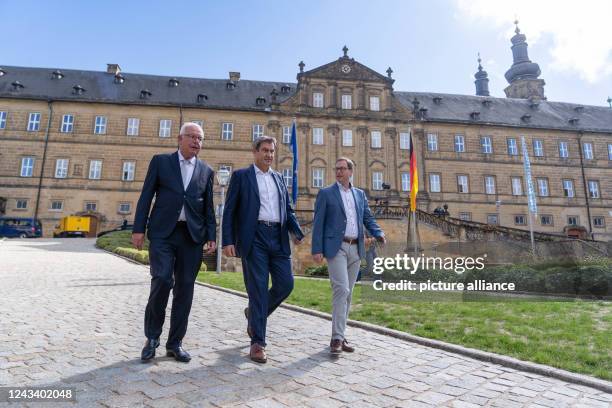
(320, 271)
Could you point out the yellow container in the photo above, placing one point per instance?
(72, 226)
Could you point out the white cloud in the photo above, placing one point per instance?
(579, 31)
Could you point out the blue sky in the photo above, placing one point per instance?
(431, 46)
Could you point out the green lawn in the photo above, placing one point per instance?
(572, 335)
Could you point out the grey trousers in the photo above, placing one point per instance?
(343, 270)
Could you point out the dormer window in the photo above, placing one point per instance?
(475, 115)
(201, 98)
(534, 104)
(57, 74)
(173, 82)
(145, 94)
(2, 72)
(78, 90)
(486, 103)
(423, 112)
(526, 118)
(17, 86)
(579, 109)
(119, 79)
(573, 121)
(437, 100)
(260, 101)
(285, 89)
(230, 85)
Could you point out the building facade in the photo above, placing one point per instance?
(79, 142)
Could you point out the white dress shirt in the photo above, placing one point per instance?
(187, 167)
(269, 209)
(350, 209)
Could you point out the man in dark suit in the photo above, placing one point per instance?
(256, 224)
(341, 212)
(182, 220)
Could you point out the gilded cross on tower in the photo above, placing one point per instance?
(345, 51)
(389, 72)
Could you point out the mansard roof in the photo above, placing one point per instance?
(524, 113)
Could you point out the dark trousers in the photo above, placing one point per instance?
(175, 262)
(265, 260)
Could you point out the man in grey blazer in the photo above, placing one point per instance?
(341, 212)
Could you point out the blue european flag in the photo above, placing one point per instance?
(294, 179)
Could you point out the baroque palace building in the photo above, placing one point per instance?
(79, 142)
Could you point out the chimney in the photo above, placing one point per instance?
(234, 76)
(113, 69)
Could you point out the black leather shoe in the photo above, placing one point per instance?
(148, 351)
(179, 354)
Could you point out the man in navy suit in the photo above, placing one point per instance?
(182, 220)
(341, 212)
(257, 221)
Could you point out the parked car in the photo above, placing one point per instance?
(20, 227)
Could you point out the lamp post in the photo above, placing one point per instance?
(222, 178)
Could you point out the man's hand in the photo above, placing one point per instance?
(297, 241)
(211, 246)
(229, 250)
(138, 240)
(318, 258)
(381, 239)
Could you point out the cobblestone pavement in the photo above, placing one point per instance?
(73, 315)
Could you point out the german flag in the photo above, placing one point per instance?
(414, 176)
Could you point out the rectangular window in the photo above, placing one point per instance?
(133, 126)
(593, 188)
(459, 143)
(226, 167)
(486, 145)
(520, 220)
(198, 122)
(61, 168)
(610, 151)
(572, 220)
(462, 184)
(165, 128)
(27, 166)
(432, 142)
(405, 181)
(129, 168)
(317, 100)
(568, 188)
(258, 131)
(56, 205)
(67, 123)
(512, 147)
(542, 187)
(91, 206)
(347, 101)
(489, 184)
(376, 139)
(95, 169)
(100, 125)
(434, 183)
(347, 137)
(288, 177)
(227, 131)
(587, 149)
(465, 216)
(517, 186)
(492, 219)
(563, 150)
(318, 176)
(538, 148)
(599, 222)
(21, 204)
(546, 219)
(377, 180)
(125, 208)
(286, 134)
(33, 122)
(404, 141)
(317, 136)
(2, 120)
(374, 103)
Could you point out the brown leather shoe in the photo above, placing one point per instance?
(249, 330)
(258, 353)
(335, 346)
(346, 347)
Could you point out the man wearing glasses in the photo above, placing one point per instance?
(182, 220)
(341, 212)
